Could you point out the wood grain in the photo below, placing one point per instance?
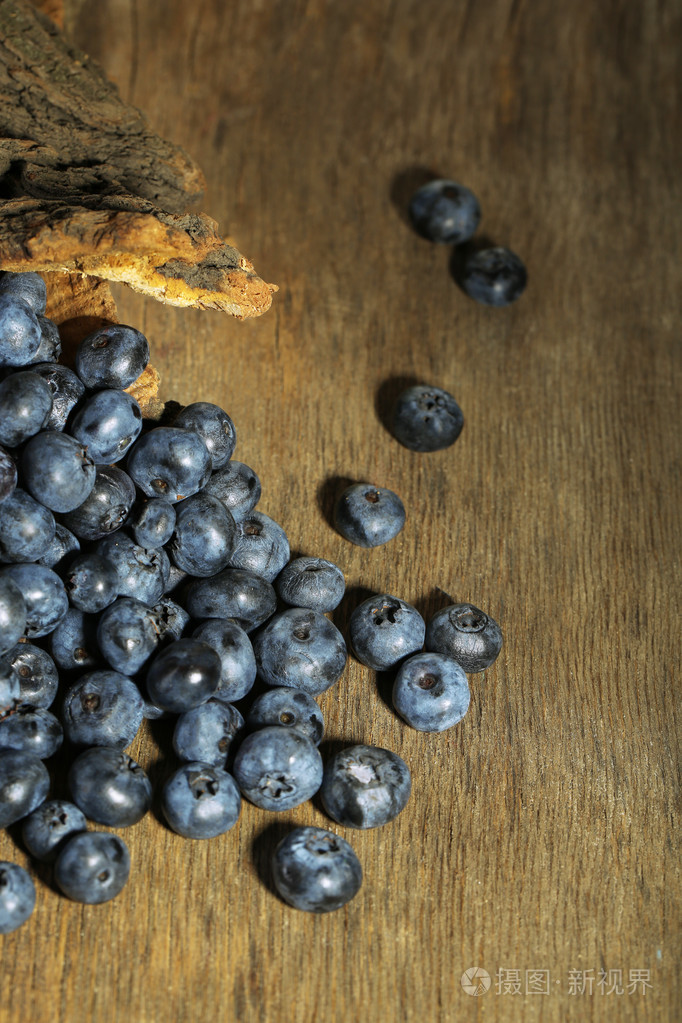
(542, 833)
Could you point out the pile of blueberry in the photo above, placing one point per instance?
(138, 580)
(449, 213)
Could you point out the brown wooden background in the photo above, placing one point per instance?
(542, 832)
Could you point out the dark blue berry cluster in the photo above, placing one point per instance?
(448, 213)
(139, 580)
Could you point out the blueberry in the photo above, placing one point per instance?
(184, 675)
(57, 470)
(17, 896)
(232, 593)
(426, 418)
(444, 211)
(108, 423)
(27, 528)
(104, 708)
(110, 787)
(28, 286)
(152, 522)
(431, 692)
(315, 870)
(24, 784)
(278, 768)
(73, 642)
(170, 463)
(205, 733)
(301, 649)
(107, 507)
(215, 428)
(8, 475)
(365, 786)
(20, 333)
(63, 544)
(141, 573)
(170, 619)
(261, 546)
(25, 405)
(93, 867)
(67, 390)
(127, 635)
(204, 537)
(112, 357)
(12, 614)
(31, 730)
(44, 595)
(236, 486)
(384, 630)
(311, 582)
(91, 582)
(201, 801)
(37, 673)
(47, 829)
(291, 708)
(494, 277)
(467, 634)
(237, 659)
(369, 516)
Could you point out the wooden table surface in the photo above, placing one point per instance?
(540, 843)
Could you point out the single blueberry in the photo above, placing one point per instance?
(444, 211)
(260, 546)
(37, 673)
(215, 428)
(91, 582)
(204, 733)
(152, 522)
(311, 582)
(57, 471)
(25, 405)
(384, 630)
(17, 896)
(426, 418)
(127, 635)
(141, 573)
(315, 870)
(107, 507)
(205, 536)
(28, 286)
(183, 675)
(20, 333)
(278, 768)
(494, 277)
(92, 867)
(12, 614)
(237, 659)
(431, 692)
(236, 486)
(369, 516)
(302, 649)
(47, 829)
(31, 730)
(24, 784)
(291, 708)
(67, 390)
(104, 708)
(232, 593)
(169, 462)
(109, 787)
(112, 357)
(27, 528)
(467, 634)
(44, 595)
(365, 786)
(201, 801)
(108, 423)
(73, 642)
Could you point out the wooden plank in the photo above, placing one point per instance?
(542, 831)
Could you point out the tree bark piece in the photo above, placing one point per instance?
(87, 187)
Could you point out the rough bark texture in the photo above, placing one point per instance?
(86, 186)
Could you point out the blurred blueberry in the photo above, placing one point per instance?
(92, 867)
(17, 896)
(24, 784)
(426, 418)
(44, 595)
(31, 730)
(48, 828)
(110, 787)
(444, 211)
(494, 277)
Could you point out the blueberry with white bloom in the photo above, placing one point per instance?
(311, 582)
(291, 708)
(44, 595)
(27, 527)
(25, 405)
(28, 286)
(302, 649)
(236, 486)
(369, 516)
(127, 635)
(20, 333)
(384, 630)
(24, 784)
(141, 573)
(237, 659)
(278, 768)
(205, 733)
(260, 546)
(103, 708)
(201, 801)
(315, 870)
(365, 786)
(431, 692)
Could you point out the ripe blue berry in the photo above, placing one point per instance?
(44, 595)
(31, 730)
(73, 643)
(91, 582)
(201, 801)
(67, 390)
(20, 333)
(108, 423)
(365, 786)
(431, 692)
(260, 546)
(141, 573)
(291, 708)
(278, 768)
(17, 896)
(369, 516)
(184, 675)
(465, 633)
(24, 784)
(37, 673)
(236, 486)
(27, 528)
(106, 508)
(169, 462)
(494, 277)
(215, 428)
(103, 708)
(47, 829)
(93, 867)
(204, 733)
(25, 405)
(12, 614)
(311, 582)
(29, 286)
(444, 211)
(8, 475)
(112, 357)
(302, 649)
(152, 522)
(110, 787)
(127, 635)
(384, 630)
(426, 419)
(205, 536)
(315, 870)
(233, 593)
(237, 659)
(57, 470)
